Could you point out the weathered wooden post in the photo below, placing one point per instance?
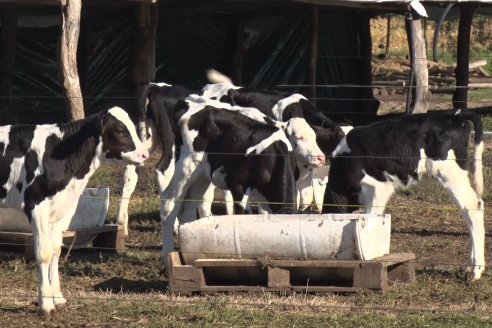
(143, 64)
(8, 32)
(69, 74)
(418, 57)
(462, 71)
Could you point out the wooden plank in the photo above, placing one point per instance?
(394, 258)
(371, 275)
(91, 230)
(330, 289)
(278, 278)
(110, 239)
(14, 235)
(357, 275)
(183, 279)
(402, 272)
(226, 263)
(389, 259)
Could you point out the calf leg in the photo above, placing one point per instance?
(205, 206)
(374, 195)
(456, 181)
(187, 169)
(305, 195)
(43, 251)
(130, 179)
(164, 175)
(56, 242)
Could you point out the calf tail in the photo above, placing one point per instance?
(215, 76)
(477, 158)
(142, 111)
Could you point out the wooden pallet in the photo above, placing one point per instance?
(234, 275)
(109, 237)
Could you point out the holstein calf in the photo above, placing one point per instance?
(45, 169)
(157, 128)
(232, 150)
(373, 161)
(283, 106)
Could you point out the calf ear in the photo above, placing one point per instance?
(103, 122)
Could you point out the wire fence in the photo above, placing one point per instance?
(447, 263)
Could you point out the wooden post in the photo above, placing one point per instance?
(69, 73)
(388, 35)
(8, 32)
(313, 52)
(143, 65)
(421, 70)
(460, 95)
(418, 57)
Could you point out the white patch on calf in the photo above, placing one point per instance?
(218, 178)
(278, 109)
(4, 136)
(303, 140)
(265, 143)
(478, 169)
(217, 90)
(342, 147)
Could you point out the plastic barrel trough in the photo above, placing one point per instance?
(286, 236)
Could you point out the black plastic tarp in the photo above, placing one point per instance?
(274, 49)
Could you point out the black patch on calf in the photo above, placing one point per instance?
(116, 138)
(20, 139)
(31, 163)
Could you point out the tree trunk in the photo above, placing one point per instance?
(8, 31)
(418, 57)
(143, 69)
(462, 71)
(69, 74)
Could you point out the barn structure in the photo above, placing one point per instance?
(95, 53)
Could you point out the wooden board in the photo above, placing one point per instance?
(235, 275)
(109, 237)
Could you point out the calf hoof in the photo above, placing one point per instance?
(472, 275)
(47, 315)
(62, 307)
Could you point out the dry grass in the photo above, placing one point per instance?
(481, 35)
(130, 290)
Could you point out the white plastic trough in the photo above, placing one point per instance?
(91, 212)
(286, 236)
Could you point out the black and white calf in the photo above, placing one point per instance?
(234, 151)
(284, 106)
(373, 161)
(45, 169)
(158, 129)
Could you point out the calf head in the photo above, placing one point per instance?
(303, 140)
(120, 143)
